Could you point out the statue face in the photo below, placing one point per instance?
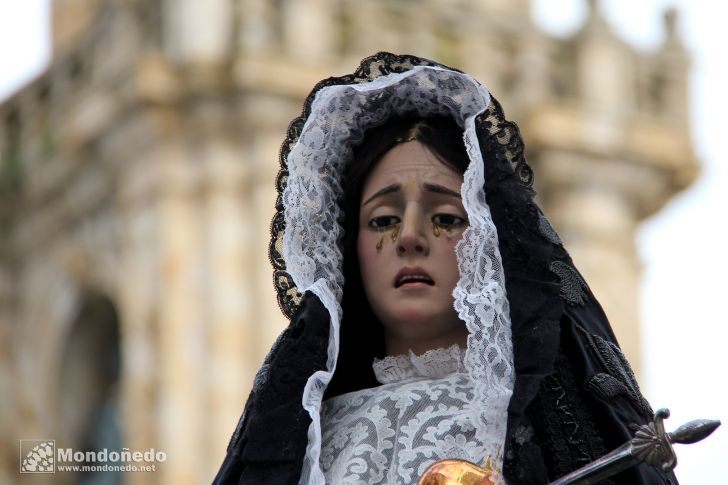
(411, 216)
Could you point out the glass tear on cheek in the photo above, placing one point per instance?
(379, 244)
(436, 230)
(448, 234)
(395, 233)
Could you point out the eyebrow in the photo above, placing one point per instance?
(389, 189)
(382, 192)
(441, 189)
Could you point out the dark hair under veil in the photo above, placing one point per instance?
(575, 396)
(362, 335)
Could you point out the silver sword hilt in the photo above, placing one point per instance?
(650, 444)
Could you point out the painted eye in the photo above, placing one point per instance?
(383, 221)
(448, 220)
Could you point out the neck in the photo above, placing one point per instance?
(396, 345)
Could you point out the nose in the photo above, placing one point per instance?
(412, 238)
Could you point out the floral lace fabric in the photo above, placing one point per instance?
(432, 364)
(339, 117)
(392, 433)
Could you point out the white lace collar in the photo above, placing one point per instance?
(433, 364)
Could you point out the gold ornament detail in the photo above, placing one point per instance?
(458, 472)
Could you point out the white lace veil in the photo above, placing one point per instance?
(339, 116)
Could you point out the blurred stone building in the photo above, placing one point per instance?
(136, 190)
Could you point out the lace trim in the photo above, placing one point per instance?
(433, 364)
(533, 290)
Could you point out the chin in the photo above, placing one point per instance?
(417, 320)
(413, 313)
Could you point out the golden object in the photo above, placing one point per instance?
(457, 472)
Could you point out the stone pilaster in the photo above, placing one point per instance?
(182, 341)
(230, 292)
